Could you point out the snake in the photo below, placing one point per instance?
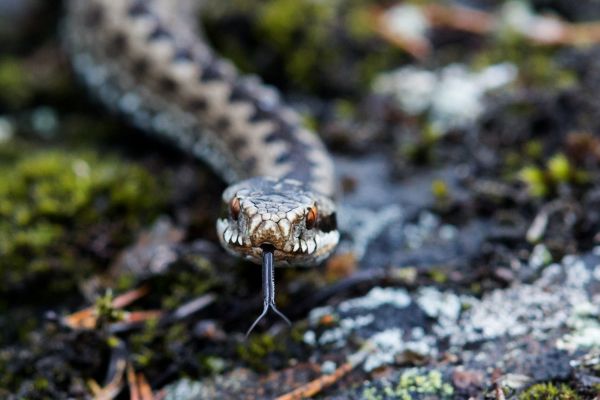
(149, 61)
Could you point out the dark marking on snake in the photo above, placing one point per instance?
(283, 158)
(197, 104)
(117, 44)
(238, 93)
(237, 143)
(160, 33)
(272, 137)
(222, 124)
(167, 85)
(250, 162)
(138, 9)
(260, 114)
(140, 67)
(183, 55)
(211, 72)
(94, 17)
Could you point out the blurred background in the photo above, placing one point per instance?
(465, 135)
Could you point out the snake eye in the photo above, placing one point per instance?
(311, 217)
(234, 208)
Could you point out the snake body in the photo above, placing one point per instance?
(147, 60)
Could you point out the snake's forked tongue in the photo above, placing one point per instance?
(268, 288)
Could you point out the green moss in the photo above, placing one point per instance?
(298, 331)
(558, 170)
(125, 281)
(105, 311)
(549, 391)
(15, 88)
(543, 69)
(420, 149)
(439, 189)
(359, 22)
(476, 288)
(438, 275)
(142, 343)
(53, 203)
(113, 342)
(213, 365)
(316, 46)
(345, 109)
(535, 179)
(538, 65)
(257, 349)
(310, 121)
(283, 19)
(156, 344)
(41, 384)
(513, 160)
(534, 149)
(265, 352)
(373, 63)
(303, 41)
(186, 283)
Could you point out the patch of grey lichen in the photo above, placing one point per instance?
(558, 313)
(410, 384)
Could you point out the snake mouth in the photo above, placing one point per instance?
(290, 251)
(267, 248)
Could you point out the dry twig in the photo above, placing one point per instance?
(314, 387)
(139, 389)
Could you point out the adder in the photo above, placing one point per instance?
(148, 60)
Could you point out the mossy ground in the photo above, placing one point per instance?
(55, 203)
(324, 48)
(79, 187)
(549, 391)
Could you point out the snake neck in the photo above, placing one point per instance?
(147, 60)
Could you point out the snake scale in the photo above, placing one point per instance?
(147, 60)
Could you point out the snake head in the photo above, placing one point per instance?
(299, 224)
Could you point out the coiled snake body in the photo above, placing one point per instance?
(146, 59)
